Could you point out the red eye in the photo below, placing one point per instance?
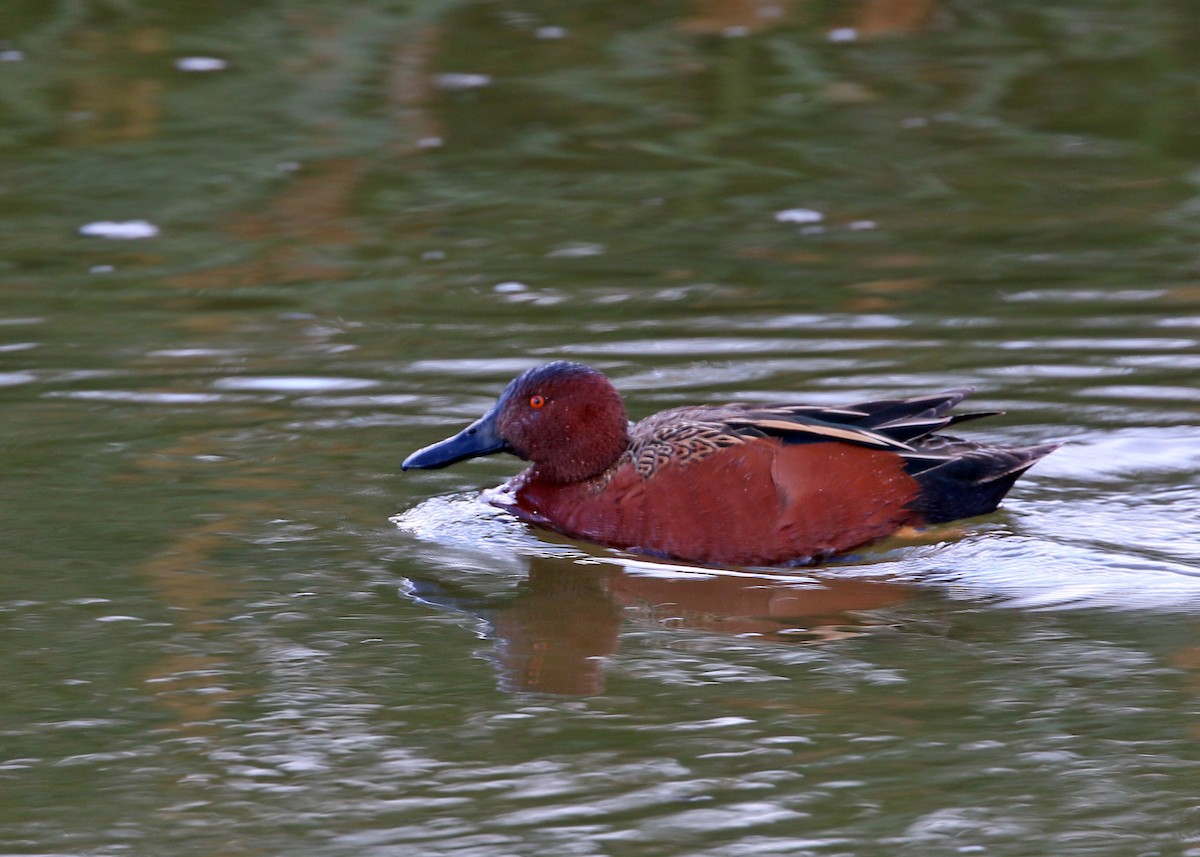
(536, 401)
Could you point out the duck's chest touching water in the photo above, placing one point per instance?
(750, 504)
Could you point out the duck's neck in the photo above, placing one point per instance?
(584, 458)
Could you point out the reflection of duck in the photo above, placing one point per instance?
(730, 484)
(553, 634)
(794, 609)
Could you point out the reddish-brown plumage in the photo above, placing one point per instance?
(729, 484)
(761, 503)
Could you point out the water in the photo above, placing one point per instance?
(231, 625)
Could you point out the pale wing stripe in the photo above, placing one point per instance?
(852, 435)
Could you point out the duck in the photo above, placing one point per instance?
(737, 484)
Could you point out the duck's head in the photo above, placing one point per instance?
(565, 418)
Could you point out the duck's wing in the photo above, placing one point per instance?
(901, 421)
(895, 425)
(958, 478)
(889, 424)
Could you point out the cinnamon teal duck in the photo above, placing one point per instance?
(735, 484)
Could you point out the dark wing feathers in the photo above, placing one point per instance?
(884, 424)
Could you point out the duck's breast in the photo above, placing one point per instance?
(758, 502)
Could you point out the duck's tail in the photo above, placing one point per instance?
(962, 479)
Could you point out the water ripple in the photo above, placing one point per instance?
(292, 383)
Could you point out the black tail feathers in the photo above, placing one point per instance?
(973, 481)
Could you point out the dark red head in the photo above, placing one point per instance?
(566, 418)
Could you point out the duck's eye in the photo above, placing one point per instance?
(537, 401)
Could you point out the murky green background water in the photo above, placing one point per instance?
(215, 641)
